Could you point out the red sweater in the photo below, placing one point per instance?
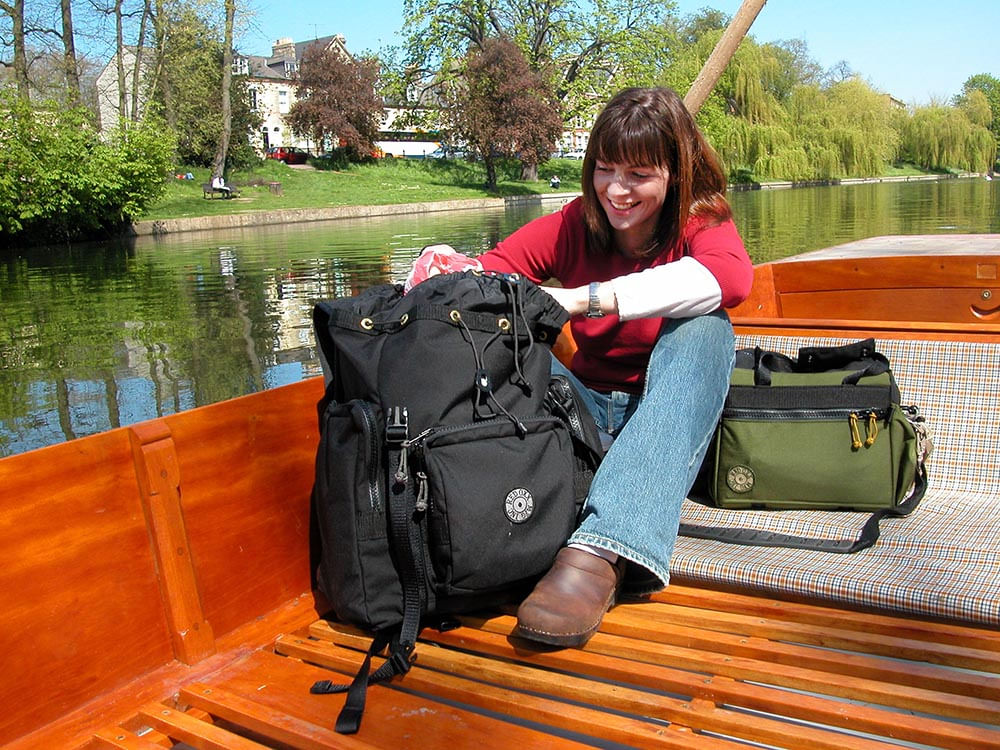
(613, 355)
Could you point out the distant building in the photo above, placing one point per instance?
(271, 87)
(108, 100)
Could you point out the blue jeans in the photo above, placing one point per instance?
(660, 440)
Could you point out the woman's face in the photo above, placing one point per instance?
(631, 196)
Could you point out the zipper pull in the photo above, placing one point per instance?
(422, 493)
(855, 435)
(871, 429)
(402, 469)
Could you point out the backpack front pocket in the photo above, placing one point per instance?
(500, 502)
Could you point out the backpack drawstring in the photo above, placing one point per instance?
(484, 386)
(517, 292)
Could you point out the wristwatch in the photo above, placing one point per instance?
(594, 301)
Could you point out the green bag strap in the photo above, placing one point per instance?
(868, 536)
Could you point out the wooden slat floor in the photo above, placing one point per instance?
(689, 668)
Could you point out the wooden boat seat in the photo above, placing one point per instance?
(940, 561)
(873, 279)
(690, 668)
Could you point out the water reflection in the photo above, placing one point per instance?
(101, 335)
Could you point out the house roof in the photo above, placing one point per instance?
(278, 67)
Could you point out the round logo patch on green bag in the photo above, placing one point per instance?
(740, 479)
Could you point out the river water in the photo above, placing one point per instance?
(95, 336)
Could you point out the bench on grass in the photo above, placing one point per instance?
(208, 191)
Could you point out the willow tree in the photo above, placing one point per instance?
(860, 125)
(942, 137)
(989, 87)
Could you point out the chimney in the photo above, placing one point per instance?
(284, 47)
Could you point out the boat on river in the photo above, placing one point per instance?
(157, 587)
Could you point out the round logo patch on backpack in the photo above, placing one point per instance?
(519, 505)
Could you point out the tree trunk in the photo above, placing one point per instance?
(529, 172)
(161, 77)
(69, 54)
(20, 63)
(721, 55)
(219, 164)
(137, 67)
(120, 59)
(491, 172)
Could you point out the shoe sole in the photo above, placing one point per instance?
(570, 640)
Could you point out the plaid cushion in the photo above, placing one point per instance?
(944, 559)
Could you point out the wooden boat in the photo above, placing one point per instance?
(156, 581)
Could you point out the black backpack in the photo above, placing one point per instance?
(451, 466)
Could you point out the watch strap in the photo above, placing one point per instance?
(594, 300)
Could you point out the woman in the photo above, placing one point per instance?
(646, 258)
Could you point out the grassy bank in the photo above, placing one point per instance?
(389, 181)
(386, 182)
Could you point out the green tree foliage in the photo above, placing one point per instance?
(774, 115)
(337, 100)
(187, 91)
(941, 137)
(989, 87)
(584, 50)
(504, 109)
(59, 180)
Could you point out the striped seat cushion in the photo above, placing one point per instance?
(944, 560)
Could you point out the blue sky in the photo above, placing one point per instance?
(915, 50)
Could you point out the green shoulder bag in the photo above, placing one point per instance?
(823, 431)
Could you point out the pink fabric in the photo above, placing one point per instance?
(612, 355)
(437, 259)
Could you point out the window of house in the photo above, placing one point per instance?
(241, 66)
(252, 98)
(283, 101)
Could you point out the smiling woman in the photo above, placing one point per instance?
(646, 259)
(631, 197)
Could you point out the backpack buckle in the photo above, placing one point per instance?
(397, 426)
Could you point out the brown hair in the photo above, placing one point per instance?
(652, 127)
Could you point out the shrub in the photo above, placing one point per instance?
(60, 181)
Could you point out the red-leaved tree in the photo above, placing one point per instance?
(336, 100)
(502, 108)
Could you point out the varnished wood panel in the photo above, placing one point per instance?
(763, 300)
(941, 305)
(81, 604)
(946, 271)
(246, 471)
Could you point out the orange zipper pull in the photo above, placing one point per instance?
(871, 429)
(855, 435)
